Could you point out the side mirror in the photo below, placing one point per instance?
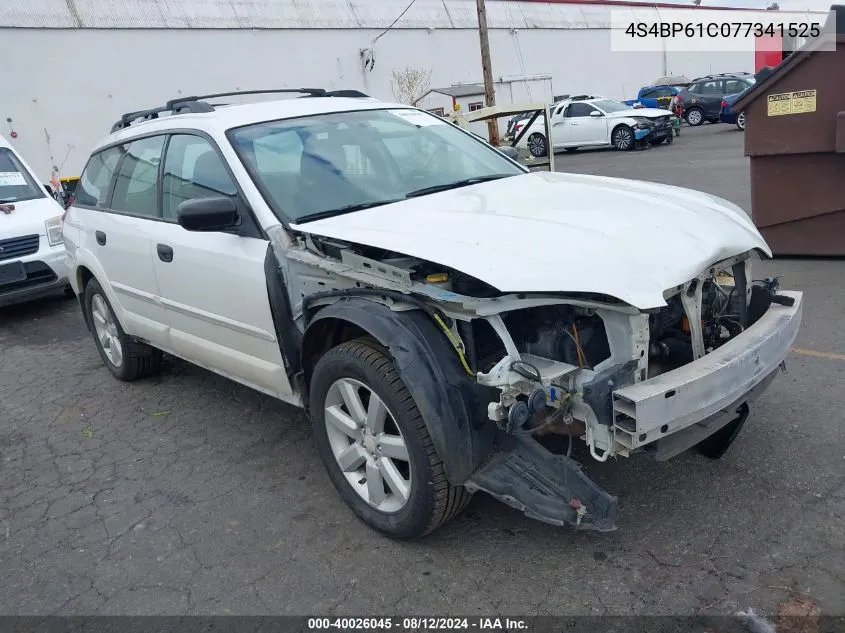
(509, 151)
(208, 214)
(596, 113)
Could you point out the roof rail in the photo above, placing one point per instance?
(197, 103)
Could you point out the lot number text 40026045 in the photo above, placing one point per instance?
(417, 624)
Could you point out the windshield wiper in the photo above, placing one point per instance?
(349, 208)
(455, 185)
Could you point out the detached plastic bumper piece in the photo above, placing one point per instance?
(547, 487)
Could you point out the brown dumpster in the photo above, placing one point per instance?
(795, 137)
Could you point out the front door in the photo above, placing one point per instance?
(583, 128)
(213, 284)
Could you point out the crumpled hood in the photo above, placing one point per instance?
(556, 232)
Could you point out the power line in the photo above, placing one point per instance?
(392, 24)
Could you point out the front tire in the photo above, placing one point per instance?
(623, 138)
(126, 358)
(375, 446)
(694, 117)
(740, 121)
(537, 145)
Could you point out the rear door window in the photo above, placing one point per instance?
(733, 86)
(136, 187)
(711, 88)
(95, 183)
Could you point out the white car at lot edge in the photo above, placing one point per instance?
(591, 121)
(432, 304)
(32, 254)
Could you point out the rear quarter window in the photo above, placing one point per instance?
(95, 182)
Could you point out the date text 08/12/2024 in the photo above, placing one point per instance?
(723, 29)
(417, 624)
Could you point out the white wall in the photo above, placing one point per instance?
(76, 82)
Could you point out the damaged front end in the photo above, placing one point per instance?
(589, 367)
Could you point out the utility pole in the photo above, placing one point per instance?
(489, 96)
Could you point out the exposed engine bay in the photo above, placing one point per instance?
(555, 359)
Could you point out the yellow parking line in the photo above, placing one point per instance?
(811, 352)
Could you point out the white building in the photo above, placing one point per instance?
(72, 67)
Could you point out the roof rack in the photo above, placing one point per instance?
(194, 104)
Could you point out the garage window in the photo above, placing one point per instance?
(476, 105)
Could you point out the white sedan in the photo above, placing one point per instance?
(597, 121)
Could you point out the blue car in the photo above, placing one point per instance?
(655, 96)
(727, 115)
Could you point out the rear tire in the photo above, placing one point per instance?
(694, 117)
(126, 358)
(537, 145)
(408, 507)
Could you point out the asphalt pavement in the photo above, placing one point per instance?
(190, 494)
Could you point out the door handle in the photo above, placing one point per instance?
(165, 252)
(101, 237)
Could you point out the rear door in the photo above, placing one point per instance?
(213, 284)
(115, 207)
(710, 96)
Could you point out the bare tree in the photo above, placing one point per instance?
(410, 85)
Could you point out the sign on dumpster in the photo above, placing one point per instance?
(797, 102)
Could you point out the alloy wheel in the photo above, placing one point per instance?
(623, 138)
(368, 445)
(695, 117)
(106, 330)
(537, 145)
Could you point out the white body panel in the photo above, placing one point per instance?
(545, 232)
(126, 261)
(214, 293)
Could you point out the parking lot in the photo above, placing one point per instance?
(188, 493)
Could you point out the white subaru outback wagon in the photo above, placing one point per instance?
(437, 309)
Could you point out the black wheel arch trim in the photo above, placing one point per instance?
(287, 334)
(453, 406)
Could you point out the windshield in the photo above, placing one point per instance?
(16, 185)
(335, 163)
(608, 105)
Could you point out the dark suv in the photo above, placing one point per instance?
(702, 99)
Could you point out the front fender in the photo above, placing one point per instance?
(452, 404)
